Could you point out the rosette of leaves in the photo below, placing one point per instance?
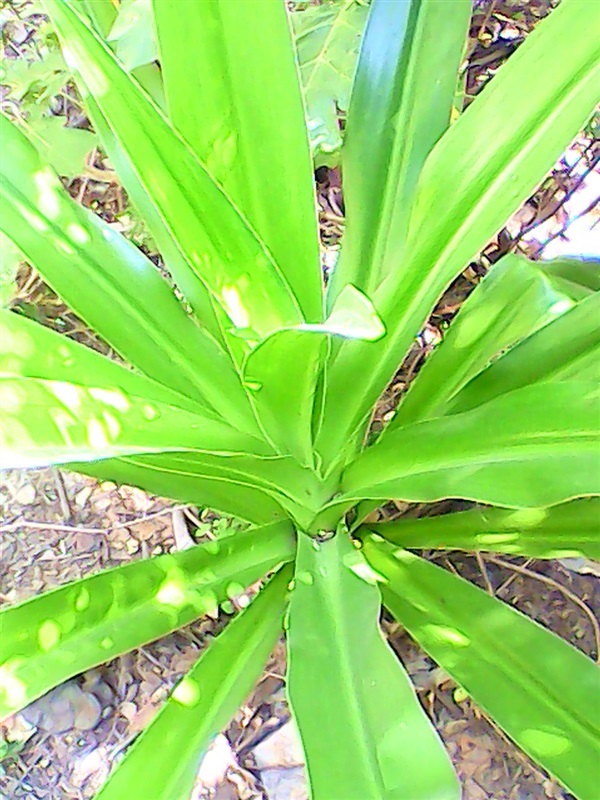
(254, 397)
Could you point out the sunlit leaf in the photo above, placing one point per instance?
(347, 687)
(109, 282)
(568, 348)
(163, 762)
(515, 298)
(132, 34)
(50, 638)
(567, 530)
(401, 102)
(484, 166)
(535, 446)
(537, 687)
(216, 240)
(233, 93)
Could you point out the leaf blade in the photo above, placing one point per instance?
(569, 529)
(346, 686)
(534, 684)
(163, 761)
(54, 636)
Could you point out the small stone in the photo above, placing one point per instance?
(108, 486)
(128, 710)
(26, 495)
(215, 764)
(132, 546)
(156, 551)
(285, 784)
(280, 749)
(83, 496)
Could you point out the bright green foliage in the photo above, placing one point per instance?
(253, 396)
(511, 666)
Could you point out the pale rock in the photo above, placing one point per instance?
(281, 749)
(285, 784)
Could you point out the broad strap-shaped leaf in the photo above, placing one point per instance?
(563, 531)
(515, 298)
(536, 446)
(102, 13)
(285, 368)
(216, 240)
(484, 166)
(132, 35)
(566, 349)
(233, 93)
(327, 39)
(538, 688)
(213, 488)
(45, 422)
(58, 634)
(163, 762)
(401, 103)
(30, 350)
(348, 689)
(108, 282)
(577, 277)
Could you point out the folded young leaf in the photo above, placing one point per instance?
(233, 93)
(111, 284)
(479, 172)
(537, 687)
(536, 446)
(402, 97)
(327, 39)
(346, 686)
(285, 369)
(567, 348)
(216, 240)
(52, 637)
(45, 422)
(515, 298)
(563, 531)
(163, 761)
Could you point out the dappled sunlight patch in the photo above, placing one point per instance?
(362, 569)
(49, 634)
(82, 599)
(13, 691)
(496, 538)
(78, 233)
(546, 743)
(111, 397)
(96, 435)
(305, 577)
(446, 635)
(562, 305)
(47, 185)
(234, 589)
(106, 643)
(172, 593)
(525, 518)
(69, 395)
(186, 693)
(11, 398)
(232, 299)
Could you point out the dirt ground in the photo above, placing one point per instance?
(59, 526)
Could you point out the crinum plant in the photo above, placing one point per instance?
(251, 385)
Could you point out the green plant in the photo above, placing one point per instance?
(255, 397)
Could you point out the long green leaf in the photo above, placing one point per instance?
(485, 165)
(45, 422)
(327, 39)
(538, 688)
(49, 638)
(364, 732)
(211, 488)
(216, 240)
(109, 282)
(102, 13)
(533, 447)
(233, 93)
(577, 277)
(566, 349)
(515, 298)
(402, 97)
(163, 762)
(570, 529)
(30, 350)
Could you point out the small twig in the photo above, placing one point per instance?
(559, 587)
(65, 506)
(484, 572)
(51, 526)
